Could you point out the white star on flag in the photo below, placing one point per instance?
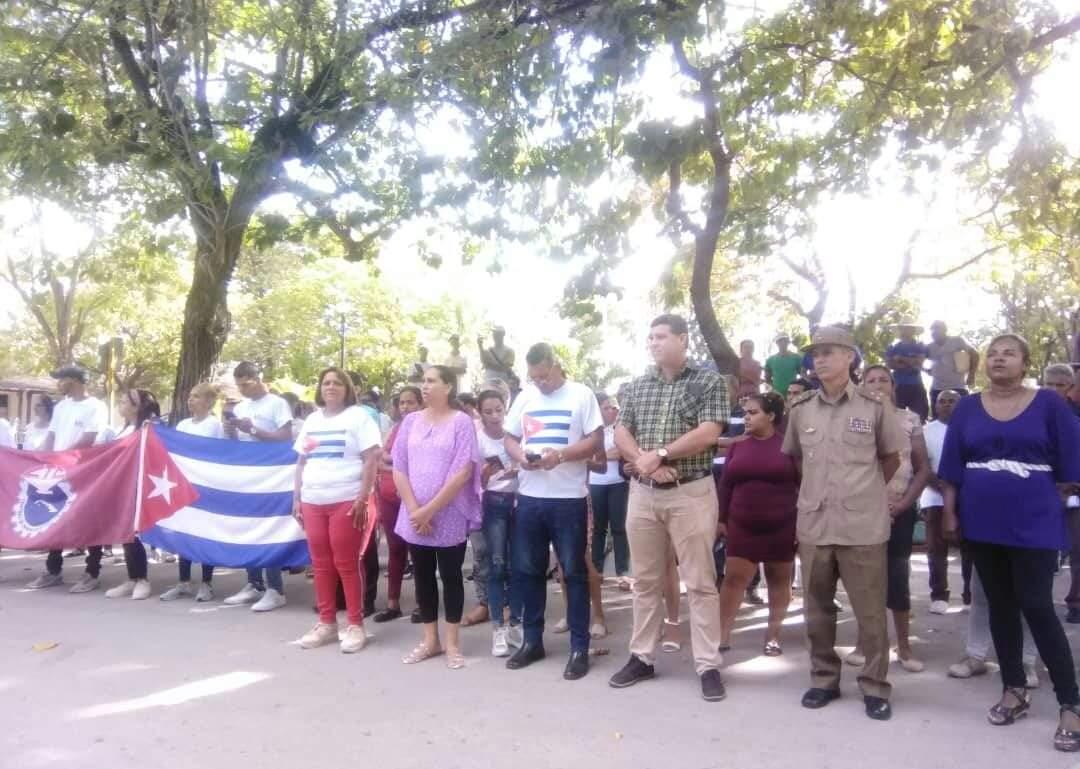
(162, 486)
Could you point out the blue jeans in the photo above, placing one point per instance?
(502, 591)
(561, 522)
(609, 509)
(273, 579)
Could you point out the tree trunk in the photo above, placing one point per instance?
(206, 317)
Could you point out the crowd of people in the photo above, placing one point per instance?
(809, 468)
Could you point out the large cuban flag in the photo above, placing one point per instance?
(243, 514)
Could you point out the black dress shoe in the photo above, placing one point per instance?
(819, 698)
(878, 708)
(525, 656)
(712, 686)
(632, 672)
(387, 614)
(577, 666)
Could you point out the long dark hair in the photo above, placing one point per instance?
(771, 403)
(346, 379)
(146, 405)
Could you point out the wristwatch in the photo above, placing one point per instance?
(662, 452)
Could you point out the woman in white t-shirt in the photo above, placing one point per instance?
(201, 422)
(38, 429)
(339, 451)
(500, 481)
(136, 407)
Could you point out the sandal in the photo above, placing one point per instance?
(421, 653)
(455, 660)
(671, 645)
(1003, 715)
(773, 649)
(1067, 740)
(598, 630)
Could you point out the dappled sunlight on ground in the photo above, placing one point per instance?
(178, 695)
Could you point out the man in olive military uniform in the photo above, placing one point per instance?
(849, 449)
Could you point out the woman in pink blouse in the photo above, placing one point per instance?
(436, 457)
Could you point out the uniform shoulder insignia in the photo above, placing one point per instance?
(803, 398)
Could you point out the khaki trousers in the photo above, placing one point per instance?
(863, 570)
(683, 517)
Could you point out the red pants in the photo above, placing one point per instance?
(335, 553)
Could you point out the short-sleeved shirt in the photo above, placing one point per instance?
(1006, 472)
(207, 427)
(554, 421)
(911, 427)
(72, 419)
(943, 372)
(783, 370)
(331, 447)
(657, 412)
(842, 499)
(908, 350)
(496, 447)
(934, 435)
(269, 413)
(611, 474)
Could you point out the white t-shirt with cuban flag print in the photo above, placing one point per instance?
(554, 421)
(332, 446)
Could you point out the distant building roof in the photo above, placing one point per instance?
(25, 383)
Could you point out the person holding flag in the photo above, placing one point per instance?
(554, 427)
(339, 449)
(76, 421)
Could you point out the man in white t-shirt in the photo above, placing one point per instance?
(553, 428)
(76, 421)
(260, 416)
(931, 503)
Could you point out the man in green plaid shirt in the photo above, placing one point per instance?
(667, 434)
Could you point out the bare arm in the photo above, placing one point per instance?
(701, 438)
(626, 443)
(298, 478)
(86, 440)
(283, 433)
(890, 463)
(50, 441)
(950, 521)
(920, 464)
(370, 457)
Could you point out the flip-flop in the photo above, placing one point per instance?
(671, 645)
(420, 653)
(773, 649)
(454, 660)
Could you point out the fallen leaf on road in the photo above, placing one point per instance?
(618, 735)
(44, 646)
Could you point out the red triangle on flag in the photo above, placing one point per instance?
(530, 426)
(163, 489)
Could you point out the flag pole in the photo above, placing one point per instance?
(139, 480)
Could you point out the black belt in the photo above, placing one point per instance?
(676, 483)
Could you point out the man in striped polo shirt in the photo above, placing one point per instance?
(553, 428)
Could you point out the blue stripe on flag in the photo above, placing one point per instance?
(332, 443)
(327, 432)
(224, 452)
(550, 413)
(547, 439)
(208, 551)
(326, 455)
(243, 505)
(555, 426)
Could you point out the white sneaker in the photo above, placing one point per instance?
(515, 636)
(179, 590)
(939, 607)
(500, 647)
(206, 593)
(320, 635)
(968, 667)
(142, 590)
(1031, 676)
(85, 584)
(271, 600)
(856, 659)
(910, 664)
(248, 594)
(46, 580)
(121, 591)
(562, 626)
(354, 639)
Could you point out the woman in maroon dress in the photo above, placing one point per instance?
(758, 492)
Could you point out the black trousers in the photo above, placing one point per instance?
(370, 564)
(1020, 581)
(54, 564)
(898, 593)
(448, 560)
(135, 559)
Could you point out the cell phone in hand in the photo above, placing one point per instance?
(495, 462)
(532, 456)
(228, 415)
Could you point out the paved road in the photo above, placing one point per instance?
(157, 686)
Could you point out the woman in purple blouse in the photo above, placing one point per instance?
(1005, 451)
(435, 468)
